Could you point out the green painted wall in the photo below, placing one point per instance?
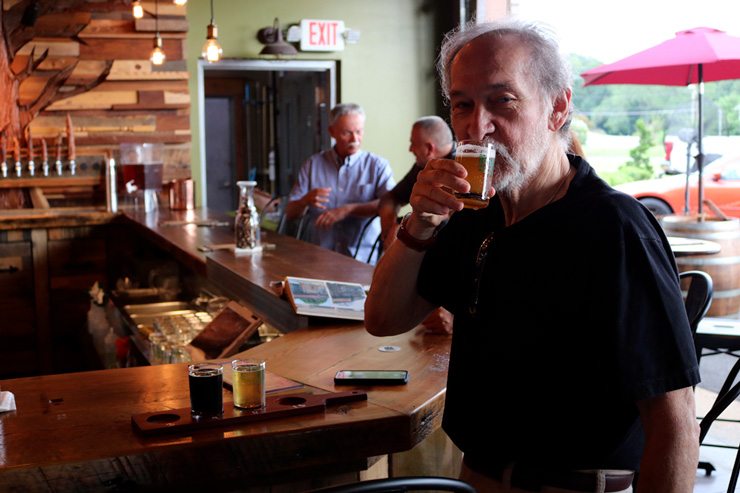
(390, 71)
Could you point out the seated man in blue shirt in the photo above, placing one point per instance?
(339, 188)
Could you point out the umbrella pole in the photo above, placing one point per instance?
(687, 205)
(700, 135)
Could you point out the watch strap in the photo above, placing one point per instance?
(411, 242)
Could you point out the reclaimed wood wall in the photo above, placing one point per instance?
(137, 102)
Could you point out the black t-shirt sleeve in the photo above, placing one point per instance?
(646, 314)
(445, 274)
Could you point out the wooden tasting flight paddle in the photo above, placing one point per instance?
(276, 406)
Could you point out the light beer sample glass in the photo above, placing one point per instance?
(477, 157)
(248, 377)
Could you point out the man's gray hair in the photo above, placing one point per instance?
(436, 129)
(549, 67)
(343, 109)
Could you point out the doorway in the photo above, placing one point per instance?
(261, 120)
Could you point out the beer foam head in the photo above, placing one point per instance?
(473, 150)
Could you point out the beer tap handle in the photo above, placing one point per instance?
(71, 150)
(4, 149)
(31, 163)
(17, 156)
(58, 162)
(44, 157)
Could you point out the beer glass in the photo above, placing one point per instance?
(477, 157)
(206, 389)
(159, 345)
(248, 377)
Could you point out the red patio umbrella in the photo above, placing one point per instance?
(694, 56)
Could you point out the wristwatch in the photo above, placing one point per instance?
(405, 237)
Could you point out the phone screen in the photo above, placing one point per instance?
(371, 377)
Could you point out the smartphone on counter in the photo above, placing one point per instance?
(371, 377)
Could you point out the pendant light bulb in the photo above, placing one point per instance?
(212, 51)
(157, 57)
(138, 10)
(179, 3)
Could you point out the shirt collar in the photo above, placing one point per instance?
(349, 160)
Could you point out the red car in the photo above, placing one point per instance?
(668, 195)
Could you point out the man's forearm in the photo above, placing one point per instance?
(671, 451)
(365, 209)
(393, 305)
(295, 209)
(389, 203)
(669, 466)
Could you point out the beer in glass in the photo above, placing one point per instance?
(477, 157)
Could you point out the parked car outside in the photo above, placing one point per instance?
(667, 195)
(714, 146)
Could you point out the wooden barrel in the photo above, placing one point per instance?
(724, 267)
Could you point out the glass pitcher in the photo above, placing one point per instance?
(247, 219)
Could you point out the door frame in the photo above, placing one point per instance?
(252, 66)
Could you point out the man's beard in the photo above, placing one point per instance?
(515, 167)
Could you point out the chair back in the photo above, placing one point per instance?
(377, 245)
(276, 205)
(726, 396)
(400, 485)
(699, 296)
(365, 229)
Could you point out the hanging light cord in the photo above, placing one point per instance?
(156, 17)
(212, 18)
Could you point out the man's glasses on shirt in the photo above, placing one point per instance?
(480, 261)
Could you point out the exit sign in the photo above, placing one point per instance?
(318, 35)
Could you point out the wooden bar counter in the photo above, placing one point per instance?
(246, 277)
(73, 432)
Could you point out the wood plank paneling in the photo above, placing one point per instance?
(127, 48)
(52, 22)
(173, 122)
(94, 100)
(143, 103)
(47, 126)
(56, 47)
(165, 25)
(127, 69)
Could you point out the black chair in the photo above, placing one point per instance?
(729, 392)
(698, 297)
(698, 300)
(282, 203)
(718, 336)
(362, 236)
(304, 228)
(378, 244)
(400, 485)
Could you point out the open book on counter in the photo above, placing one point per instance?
(319, 298)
